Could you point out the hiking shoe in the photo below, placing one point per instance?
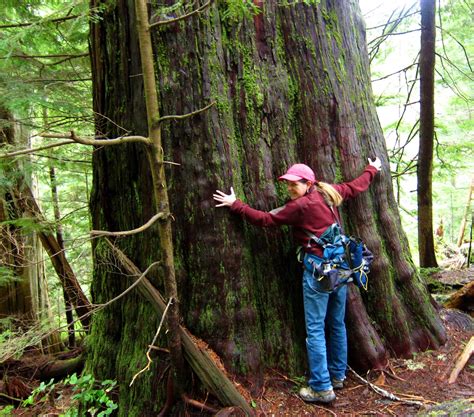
(337, 383)
(308, 394)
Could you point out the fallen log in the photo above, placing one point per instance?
(18, 375)
(463, 358)
(463, 299)
(205, 368)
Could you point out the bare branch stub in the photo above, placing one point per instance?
(186, 16)
(129, 232)
(98, 142)
(187, 115)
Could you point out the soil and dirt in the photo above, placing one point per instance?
(422, 378)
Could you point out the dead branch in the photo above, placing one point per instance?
(186, 16)
(393, 21)
(463, 358)
(32, 150)
(383, 392)
(57, 80)
(123, 293)
(147, 367)
(98, 142)
(393, 34)
(56, 20)
(388, 28)
(454, 88)
(11, 398)
(25, 56)
(462, 299)
(197, 404)
(76, 139)
(445, 58)
(454, 38)
(396, 72)
(159, 349)
(97, 233)
(185, 116)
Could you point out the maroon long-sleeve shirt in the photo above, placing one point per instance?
(309, 212)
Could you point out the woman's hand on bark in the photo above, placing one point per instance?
(376, 163)
(224, 199)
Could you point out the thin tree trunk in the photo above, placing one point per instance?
(462, 228)
(26, 204)
(160, 192)
(60, 239)
(26, 298)
(425, 154)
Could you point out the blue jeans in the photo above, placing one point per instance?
(324, 311)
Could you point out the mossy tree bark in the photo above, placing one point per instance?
(291, 84)
(16, 290)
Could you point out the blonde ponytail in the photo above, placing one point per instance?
(331, 196)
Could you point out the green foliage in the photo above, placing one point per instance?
(427, 272)
(7, 276)
(90, 396)
(237, 10)
(15, 338)
(41, 62)
(41, 393)
(7, 411)
(26, 224)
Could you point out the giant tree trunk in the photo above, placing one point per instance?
(291, 85)
(425, 153)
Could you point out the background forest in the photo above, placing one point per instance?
(46, 97)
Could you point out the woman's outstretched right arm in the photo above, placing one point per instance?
(288, 214)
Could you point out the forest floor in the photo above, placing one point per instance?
(422, 379)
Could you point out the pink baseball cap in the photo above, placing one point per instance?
(298, 172)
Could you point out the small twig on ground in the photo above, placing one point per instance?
(393, 374)
(383, 392)
(353, 388)
(285, 377)
(197, 404)
(10, 398)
